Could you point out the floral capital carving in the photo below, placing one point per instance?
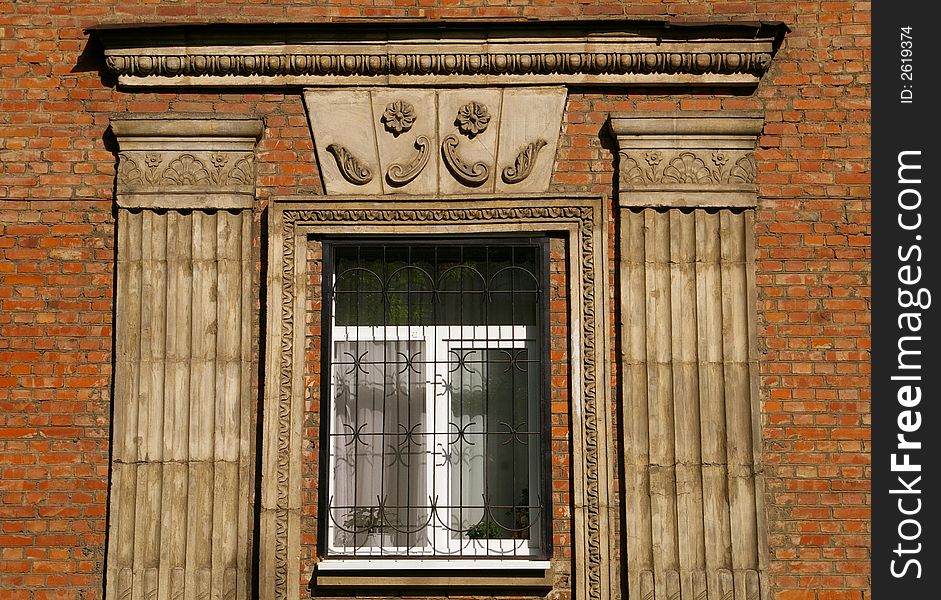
(687, 167)
(687, 158)
(186, 163)
(164, 171)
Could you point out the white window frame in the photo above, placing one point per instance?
(442, 339)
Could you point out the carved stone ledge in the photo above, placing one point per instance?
(452, 54)
(687, 158)
(184, 163)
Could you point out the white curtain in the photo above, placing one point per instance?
(379, 484)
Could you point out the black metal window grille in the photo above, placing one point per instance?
(437, 394)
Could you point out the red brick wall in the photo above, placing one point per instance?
(56, 239)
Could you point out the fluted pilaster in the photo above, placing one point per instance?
(182, 484)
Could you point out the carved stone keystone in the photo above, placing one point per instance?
(436, 142)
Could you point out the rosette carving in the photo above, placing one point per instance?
(399, 174)
(471, 175)
(523, 165)
(352, 169)
(472, 119)
(398, 117)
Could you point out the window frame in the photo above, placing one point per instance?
(542, 551)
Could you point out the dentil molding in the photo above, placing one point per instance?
(454, 53)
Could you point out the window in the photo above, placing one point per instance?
(436, 397)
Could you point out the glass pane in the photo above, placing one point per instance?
(435, 429)
(490, 443)
(379, 496)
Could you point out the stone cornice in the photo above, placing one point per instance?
(442, 54)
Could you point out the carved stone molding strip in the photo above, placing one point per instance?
(350, 167)
(371, 65)
(523, 165)
(704, 167)
(585, 220)
(399, 174)
(471, 175)
(631, 67)
(582, 52)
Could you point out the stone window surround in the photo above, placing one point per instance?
(167, 164)
(582, 220)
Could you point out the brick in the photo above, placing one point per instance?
(812, 229)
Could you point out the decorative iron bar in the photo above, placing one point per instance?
(437, 395)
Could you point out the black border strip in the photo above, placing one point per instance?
(904, 273)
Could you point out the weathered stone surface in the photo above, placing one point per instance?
(181, 502)
(687, 158)
(460, 141)
(415, 53)
(693, 483)
(173, 162)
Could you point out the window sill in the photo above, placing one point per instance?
(412, 564)
(411, 573)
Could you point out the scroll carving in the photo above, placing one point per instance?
(523, 165)
(350, 167)
(470, 175)
(398, 174)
